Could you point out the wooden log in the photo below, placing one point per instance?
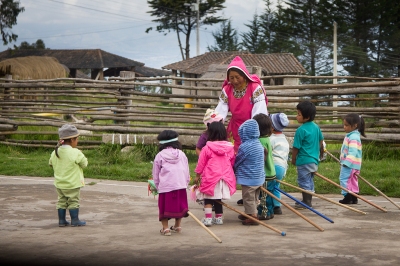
(5, 127)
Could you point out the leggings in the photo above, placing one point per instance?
(217, 207)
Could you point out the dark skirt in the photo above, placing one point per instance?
(173, 204)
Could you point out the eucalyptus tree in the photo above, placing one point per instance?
(226, 39)
(9, 11)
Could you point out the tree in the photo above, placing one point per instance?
(9, 11)
(39, 44)
(253, 40)
(226, 39)
(176, 16)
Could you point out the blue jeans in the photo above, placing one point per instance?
(280, 174)
(305, 176)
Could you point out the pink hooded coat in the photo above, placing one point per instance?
(216, 163)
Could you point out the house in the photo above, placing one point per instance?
(94, 59)
(214, 65)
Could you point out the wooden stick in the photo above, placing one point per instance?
(351, 193)
(205, 228)
(321, 197)
(368, 183)
(293, 210)
(282, 233)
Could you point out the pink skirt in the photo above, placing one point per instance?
(173, 204)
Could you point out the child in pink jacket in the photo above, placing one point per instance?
(214, 173)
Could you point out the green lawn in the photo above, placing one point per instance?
(381, 168)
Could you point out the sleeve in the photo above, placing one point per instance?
(156, 171)
(239, 159)
(297, 138)
(201, 163)
(51, 157)
(222, 107)
(81, 160)
(187, 170)
(260, 105)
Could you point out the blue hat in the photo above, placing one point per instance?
(279, 121)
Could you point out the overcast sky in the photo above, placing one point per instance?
(116, 26)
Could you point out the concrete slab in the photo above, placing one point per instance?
(123, 229)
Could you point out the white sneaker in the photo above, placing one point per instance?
(217, 220)
(207, 221)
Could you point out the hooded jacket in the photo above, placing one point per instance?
(170, 170)
(249, 163)
(216, 163)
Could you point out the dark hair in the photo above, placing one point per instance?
(238, 70)
(307, 109)
(167, 135)
(355, 119)
(216, 131)
(66, 141)
(264, 124)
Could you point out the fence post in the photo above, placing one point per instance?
(127, 74)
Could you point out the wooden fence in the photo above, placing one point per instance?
(117, 111)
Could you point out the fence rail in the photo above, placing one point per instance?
(133, 108)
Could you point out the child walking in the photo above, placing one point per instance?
(249, 168)
(280, 155)
(67, 162)
(350, 156)
(266, 209)
(214, 173)
(307, 150)
(171, 178)
(210, 116)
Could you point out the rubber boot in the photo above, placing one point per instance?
(355, 199)
(75, 219)
(61, 218)
(348, 199)
(307, 199)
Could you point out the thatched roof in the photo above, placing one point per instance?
(272, 64)
(33, 67)
(76, 59)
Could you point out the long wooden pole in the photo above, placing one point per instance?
(351, 193)
(293, 210)
(204, 227)
(368, 183)
(282, 233)
(321, 197)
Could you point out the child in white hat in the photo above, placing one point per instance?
(210, 116)
(67, 162)
(280, 154)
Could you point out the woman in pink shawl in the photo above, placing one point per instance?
(243, 95)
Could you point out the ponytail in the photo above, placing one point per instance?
(59, 143)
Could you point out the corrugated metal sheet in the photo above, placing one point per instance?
(274, 64)
(75, 59)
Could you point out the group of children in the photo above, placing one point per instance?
(261, 160)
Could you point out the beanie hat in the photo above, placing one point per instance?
(279, 121)
(211, 116)
(68, 131)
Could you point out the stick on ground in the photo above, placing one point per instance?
(204, 227)
(282, 233)
(368, 183)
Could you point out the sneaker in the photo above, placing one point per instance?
(277, 210)
(240, 202)
(217, 220)
(207, 221)
(250, 222)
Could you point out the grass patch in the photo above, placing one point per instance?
(380, 166)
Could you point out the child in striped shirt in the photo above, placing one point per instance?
(350, 156)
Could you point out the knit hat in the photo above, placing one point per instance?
(68, 131)
(279, 121)
(211, 116)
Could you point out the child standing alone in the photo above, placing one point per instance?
(214, 172)
(350, 156)
(67, 162)
(307, 150)
(171, 178)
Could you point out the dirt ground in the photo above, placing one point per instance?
(123, 229)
